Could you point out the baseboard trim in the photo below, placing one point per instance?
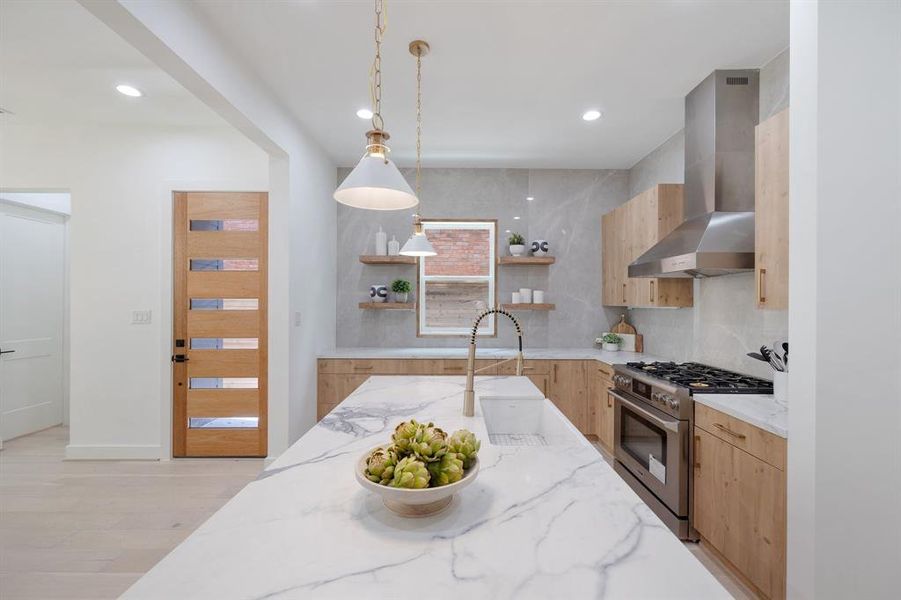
(112, 452)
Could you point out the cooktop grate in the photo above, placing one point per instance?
(703, 379)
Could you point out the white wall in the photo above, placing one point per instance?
(121, 181)
(844, 445)
(302, 178)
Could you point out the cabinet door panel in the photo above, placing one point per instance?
(712, 478)
(569, 391)
(771, 211)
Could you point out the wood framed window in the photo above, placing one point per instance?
(460, 281)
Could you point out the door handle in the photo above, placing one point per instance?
(651, 295)
(624, 294)
(761, 291)
(697, 452)
(6, 351)
(180, 358)
(555, 373)
(728, 431)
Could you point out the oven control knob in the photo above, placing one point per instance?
(673, 402)
(655, 397)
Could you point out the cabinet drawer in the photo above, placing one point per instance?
(422, 366)
(529, 367)
(753, 440)
(357, 365)
(604, 370)
(457, 366)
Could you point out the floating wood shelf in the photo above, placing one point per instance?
(388, 260)
(388, 305)
(526, 260)
(529, 306)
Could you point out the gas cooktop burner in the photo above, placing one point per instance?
(704, 379)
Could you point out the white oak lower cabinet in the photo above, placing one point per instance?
(739, 497)
(567, 383)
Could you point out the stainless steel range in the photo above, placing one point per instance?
(654, 413)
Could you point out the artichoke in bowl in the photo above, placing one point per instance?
(405, 435)
(430, 444)
(410, 473)
(380, 465)
(465, 444)
(448, 469)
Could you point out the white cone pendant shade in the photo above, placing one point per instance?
(418, 244)
(375, 183)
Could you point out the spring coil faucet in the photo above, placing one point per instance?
(469, 396)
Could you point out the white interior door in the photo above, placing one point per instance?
(32, 305)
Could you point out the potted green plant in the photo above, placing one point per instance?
(611, 342)
(401, 289)
(517, 244)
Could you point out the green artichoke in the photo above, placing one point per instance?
(447, 469)
(430, 443)
(411, 474)
(464, 443)
(405, 435)
(380, 465)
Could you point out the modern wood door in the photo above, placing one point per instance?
(771, 228)
(32, 305)
(220, 324)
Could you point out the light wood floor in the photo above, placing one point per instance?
(706, 557)
(89, 529)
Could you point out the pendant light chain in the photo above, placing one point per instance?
(419, 126)
(381, 23)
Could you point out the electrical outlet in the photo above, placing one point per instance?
(141, 317)
(297, 319)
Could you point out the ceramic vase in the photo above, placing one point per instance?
(378, 293)
(539, 247)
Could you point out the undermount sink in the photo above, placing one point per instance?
(524, 421)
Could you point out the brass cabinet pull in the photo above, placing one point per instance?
(624, 293)
(555, 372)
(728, 431)
(651, 298)
(528, 368)
(609, 401)
(453, 368)
(358, 368)
(697, 452)
(761, 291)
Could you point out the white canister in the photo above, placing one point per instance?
(538, 297)
(517, 298)
(525, 295)
(780, 387)
(381, 243)
(393, 246)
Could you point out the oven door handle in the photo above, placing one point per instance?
(668, 424)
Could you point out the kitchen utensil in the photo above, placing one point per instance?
(623, 327)
(757, 356)
(785, 355)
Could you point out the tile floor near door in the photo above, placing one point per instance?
(89, 529)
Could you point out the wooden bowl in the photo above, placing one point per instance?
(415, 503)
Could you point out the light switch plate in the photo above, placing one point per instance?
(141, 317)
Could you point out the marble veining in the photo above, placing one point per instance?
(760, 410)
(549, 522)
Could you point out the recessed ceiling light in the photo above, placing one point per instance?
(129, 90)
(516, 218)
(507, 231)
(364, 113)
(530, 198)
(591, 115)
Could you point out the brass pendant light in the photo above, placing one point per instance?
(375, 183)
(418, 244)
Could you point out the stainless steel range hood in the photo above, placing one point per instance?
(717, 236)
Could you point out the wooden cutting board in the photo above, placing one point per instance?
(623, 327)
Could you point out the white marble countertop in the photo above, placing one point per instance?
(539, 522)
(760, 410)
(462, 352)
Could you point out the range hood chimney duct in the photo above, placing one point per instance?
(717, 234)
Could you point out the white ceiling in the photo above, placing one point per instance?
(58, 62)
(506, 82)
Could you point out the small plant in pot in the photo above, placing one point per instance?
(517, 244)
(401, 289)
(611, 342)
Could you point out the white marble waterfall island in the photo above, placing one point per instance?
(539, 522)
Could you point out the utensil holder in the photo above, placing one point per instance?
(780, 387)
